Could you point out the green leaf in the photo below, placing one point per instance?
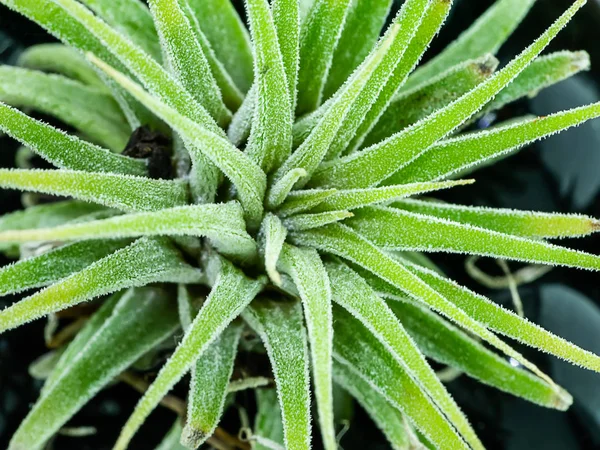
(282, 331)
(351, 292)
(308, 221)
(374, 164)
(140, 320)
(378, 89)
(506, 322)
(274, 236)
(431, 24)
(319, 36)
(248, 178)
(91, 111)
(541, 73)
(352, 48)
(281, 190)
(228, 37)
(312, 151)
(208, 387)
(300, 201)
(50, 267)
(286, 16)
(344, 242)
(447, 344)
(268, 423)
(455, 155)
(143, 262)
(518, 223)
(270, 141)
(63, 150)
(223, 224)
(232, 96)
(357, 198)
(387, 418)
(241, 123)
(185, 57)
(359, 352)
(392, 228)
(130, 17)
(485, 35)
(411, 106)
(310, 277)
(230, 295)
(124, 192)
(58, 58)
(56, 20)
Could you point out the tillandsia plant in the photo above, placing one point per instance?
(250, 188)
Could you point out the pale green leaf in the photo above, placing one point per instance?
(300, 201)
(130, 17)
(286, 16)
(416, 104)
(344, 242)
(270, 141)
(447, 344)
(268, 423)
(388, 419)
(352, 48)
(431, 24)
(312, 151)
(310, 277)
(208, 387)
(86, 108)
(395, 229)
(58, 58)
(280, 191)
(223, 224)
(63, 150)
(50, 267)
(359, 352)
(319, 36)
(56, 20)
(308, 221)
(353, 293)
(248, 178)
(282, 331)
(241, 124)
(378, 88)
(519, 223)
(232, 96)
(507, 322)
(374, 164)
(485, 35)
(140, 320)
(357, 198)
(230, 295)
(185, 57)
(274, 236)
(455, 155)
(143, 262)
(124, 192)
(228, 37)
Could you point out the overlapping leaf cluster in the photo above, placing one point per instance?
(296, 144)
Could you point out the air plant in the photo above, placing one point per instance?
(262, 188)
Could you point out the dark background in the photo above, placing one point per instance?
(559, 174)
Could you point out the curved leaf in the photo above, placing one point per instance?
(141, 319)
(124, 192)
(63, 150)
(282, 331)
(145, 261)
(230, 295)
(274, 235)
